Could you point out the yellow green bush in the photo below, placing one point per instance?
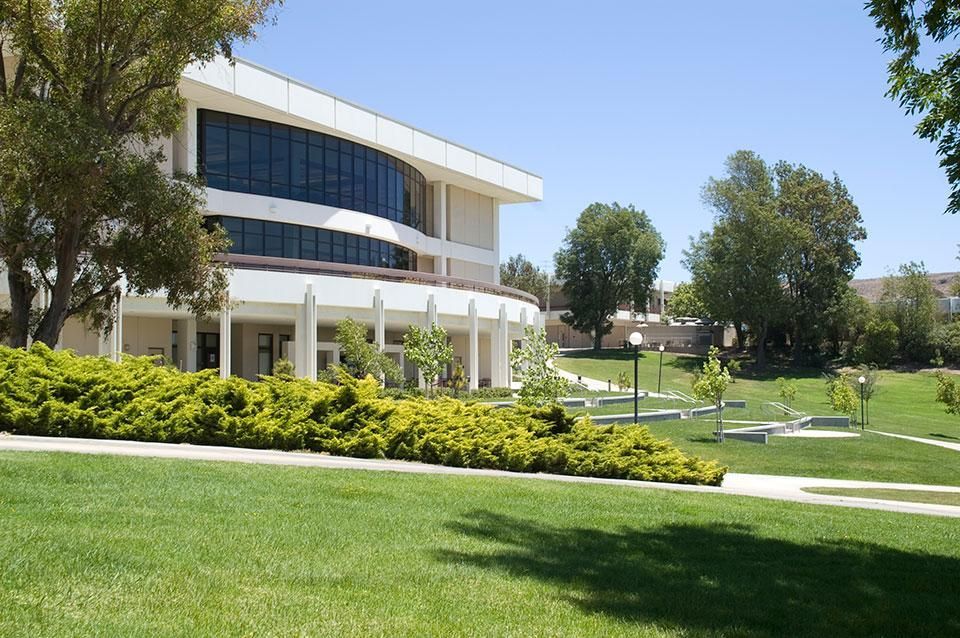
(49, 393)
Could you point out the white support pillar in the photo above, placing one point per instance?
(440, 225)
(474, 347)
(661, 300)
(226, 338)
(523, 323)
(496, 241)
(431, 320)
(189, 344)
(307, 335)
(504, 343)
(118, 329)
(379, 332)
(496, 378)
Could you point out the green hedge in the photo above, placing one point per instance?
(60, 394)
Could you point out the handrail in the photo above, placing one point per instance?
(310, 267)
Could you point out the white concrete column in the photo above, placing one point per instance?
(192, 139)
(379, 332)
(299, 336)
(440, 225)
(504, 343)
(226, 338)
(496, 241)
(187, 344)
(430, 320)
(474, 370)
(118, 330)
(309, 333)
(496, 378)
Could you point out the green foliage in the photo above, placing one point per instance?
(948, 393)
(787, 390)
(359, 357)
(710, 385)
(623, 381)
(84, 204)
(844, 322)
(918, 33)
(458, 380)
(879, 342)
(686, 301)
(49, 393)
(532, 362)
(733, 367)
(909, 301)
(842, 397)
(520, 273)
(283, 367)
(946, 339)
(609, 258)
(428, 349)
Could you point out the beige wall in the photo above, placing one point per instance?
(470, 218)
(470, 270)
(244, 342)
(76, 337)
(147, 335)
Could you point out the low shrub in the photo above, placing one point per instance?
(49, 393)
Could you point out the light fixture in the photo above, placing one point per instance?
(636, 338)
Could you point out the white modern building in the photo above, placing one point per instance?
(334, 211)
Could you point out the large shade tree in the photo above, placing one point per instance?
(520, 273)
(924, 75)
(609, 258)
(86, 89)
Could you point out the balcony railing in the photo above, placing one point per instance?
(309, 267)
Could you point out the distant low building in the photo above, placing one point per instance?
(681, 334)
(943, 286)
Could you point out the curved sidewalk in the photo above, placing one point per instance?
(917, 439)
(784, 488)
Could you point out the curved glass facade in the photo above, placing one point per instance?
(248, 155)
(275, 239)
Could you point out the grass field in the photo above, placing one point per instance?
(904, 403)
(113, 546)
(911, 496)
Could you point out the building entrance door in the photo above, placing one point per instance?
(208, 350)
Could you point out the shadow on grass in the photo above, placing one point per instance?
(724, 579)
(944, 436)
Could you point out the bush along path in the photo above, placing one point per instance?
(49, 393)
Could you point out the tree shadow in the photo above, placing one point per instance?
(724, 579)
(944, 436)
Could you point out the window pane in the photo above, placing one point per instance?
(260, 126)
(298, 165)
(315, 165)
(215, 151)
(213, 118)
(260, 157)
(273, 246)
(291, 248)
(359, 183)
(274, 229)
(253, 226)
(346, 179)
(280, 160)
(252, 244)
(239, 154)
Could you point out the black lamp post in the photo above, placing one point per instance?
(660, 369)
(636, 339)
(862, 380)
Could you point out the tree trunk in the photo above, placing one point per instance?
(22, 293)
(738, 327)
(56, 315)
(597, 337)
(761, 346)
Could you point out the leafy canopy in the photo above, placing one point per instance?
(520, 273)
(428, 349)
(86, 90)
(914, 31)
(541, 383)
(609, 258)
(360, 358)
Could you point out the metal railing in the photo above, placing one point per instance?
(309, 267)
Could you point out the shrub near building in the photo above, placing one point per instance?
(49, 393)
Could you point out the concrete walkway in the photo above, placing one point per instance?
(784, 488)
(917, 439)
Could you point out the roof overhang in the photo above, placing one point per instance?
(244, 88)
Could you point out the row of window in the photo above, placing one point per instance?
(275, 239)
(248, 155)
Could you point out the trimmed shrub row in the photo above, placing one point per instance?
(60, 394)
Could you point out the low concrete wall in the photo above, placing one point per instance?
(751, 437)
(573, 403)
(712, 409)
(736, 403)
(626, 398)
(829, 421)
(643, 417)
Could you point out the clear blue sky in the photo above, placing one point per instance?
(636, 102)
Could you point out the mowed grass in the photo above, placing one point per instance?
(912, 496)
(904, 403)
(113, 546)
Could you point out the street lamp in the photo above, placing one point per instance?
(636, 339)
(660, 369)
(862, 380)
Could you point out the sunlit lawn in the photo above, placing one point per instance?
(110, 546)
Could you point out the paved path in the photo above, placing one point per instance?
(785, 488)
(917, 439)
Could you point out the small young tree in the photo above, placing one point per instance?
(429, 350)
(623, 381)
(871, 381)
(542, 384)
(359, 357)
(842, 397)
(458, 380)
(787, 390)
(283, 368)
(948, 393)
(710, 385)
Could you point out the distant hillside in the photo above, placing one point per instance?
(871, 289)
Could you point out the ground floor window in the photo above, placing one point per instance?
(208, 350)
(264, 353)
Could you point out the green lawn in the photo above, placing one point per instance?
(904, 404)
(120, 546)
(911, 496)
